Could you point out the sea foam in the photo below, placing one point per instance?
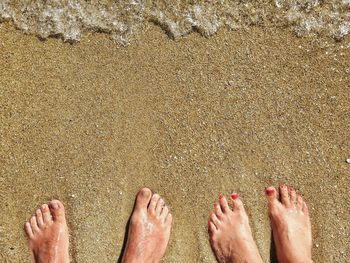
(122, 20)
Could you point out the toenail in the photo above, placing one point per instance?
(146, 192)
(270, 191)
(221, 196)
(55, 206)
(234, 196)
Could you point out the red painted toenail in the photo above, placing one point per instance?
(270, 191)
(221, 196)
(234, 196)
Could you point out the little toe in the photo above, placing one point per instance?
(211, 227)
(57, 210)
(237, 202)
(143, 198)
(169, 219)
(46, 214)
(285, 200)
(29, 230)
(300, 202)
(213, 218)
(293, 196)
(34, 225)
(39, 218)
(223, 204)
(217, 210)
(153, 203)
(159, 206)
(164, 213)
(305, 209)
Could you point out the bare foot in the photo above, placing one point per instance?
(47, 233)
(290, 224)
(230, 235)
(149, 229)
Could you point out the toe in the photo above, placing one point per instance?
(211, 227)
(300, 202)
(143, 198)
(273, 203)
(217, 210)
(213, 218)
(57, 210)
(34, 225)
(223, 204)
(153, 203)
(237, 202)
(292, 195)
(159, 206)
(305, 209)
(29, 230)
(46, 214)
(271, 194)
(169, 219)
(284, 195)
(164, 213)
(39, 218)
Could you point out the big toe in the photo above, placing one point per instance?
(273, 203)
(57, 210)
(271, 194)
(143, 198)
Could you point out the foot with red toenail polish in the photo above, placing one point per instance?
(291, 227)
(230, 235)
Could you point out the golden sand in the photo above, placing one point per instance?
(91, 123)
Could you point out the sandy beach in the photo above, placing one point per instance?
(90, 123)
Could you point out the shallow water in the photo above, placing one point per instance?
(123, 20)
(247, 105)
(91, 123)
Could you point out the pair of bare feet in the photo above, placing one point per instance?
(150, 225)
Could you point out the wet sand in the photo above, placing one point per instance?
(91, 123)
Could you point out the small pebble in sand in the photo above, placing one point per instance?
(348, 160)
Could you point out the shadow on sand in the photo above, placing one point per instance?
(273, 255)
(124, 242)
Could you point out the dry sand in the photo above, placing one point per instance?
(91, 123)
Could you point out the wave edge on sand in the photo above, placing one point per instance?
(69, 19)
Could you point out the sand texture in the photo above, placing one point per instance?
(90, 123)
